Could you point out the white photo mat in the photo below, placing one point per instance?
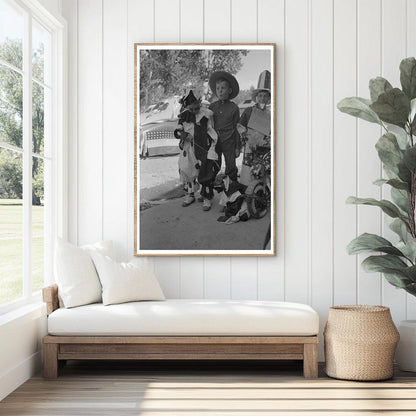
(162, 226)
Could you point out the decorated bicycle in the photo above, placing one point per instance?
(255, 129)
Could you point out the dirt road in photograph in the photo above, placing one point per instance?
(166, 225)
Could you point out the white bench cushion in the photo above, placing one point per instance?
(185, 317)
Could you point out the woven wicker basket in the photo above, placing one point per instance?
(360, 341)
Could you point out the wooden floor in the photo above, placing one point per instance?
(192, 389)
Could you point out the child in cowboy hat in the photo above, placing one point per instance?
(196, 160)
(254, 125)
(226, 116)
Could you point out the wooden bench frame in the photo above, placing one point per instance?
(58, 349)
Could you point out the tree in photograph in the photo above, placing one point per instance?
(11, 116)
(165, 73)
(244, 95)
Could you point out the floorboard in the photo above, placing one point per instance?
(206, 388)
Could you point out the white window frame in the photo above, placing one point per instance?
(58, 211)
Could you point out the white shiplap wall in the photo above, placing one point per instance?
(326, 50)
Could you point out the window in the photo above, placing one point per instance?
(31, 141)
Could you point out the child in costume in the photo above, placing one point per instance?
(233, 198)
(226, 115)
(254, 127)
(198, 157)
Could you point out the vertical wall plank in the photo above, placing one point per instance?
(244, 29)
(296, 152)
(115, 52)
(271, 29)
(394, 38)
(411, 51)
(167, 25)
(90, 128)
(345, 151)
(244, 278)
(140, 30)
(141, 21)
(321, 169)
(393, 51)
(167, 271)
(217, 29)
(70, 12)
(217, 19)
(244, 21)
(192, 30)
(369, 167)
(192, 277)
(192, 21)
(217, 278)
(411, 28)
(167, 29)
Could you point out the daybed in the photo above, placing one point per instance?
(181, 329)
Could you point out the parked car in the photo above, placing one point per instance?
(148, 110)
(157, 125)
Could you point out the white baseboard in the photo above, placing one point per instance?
(10, 380)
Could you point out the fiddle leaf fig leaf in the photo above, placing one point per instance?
(397, 280)
(378, 86)
(410, 158)
(408, 249)
(408, 77)
(395, 183)
(411, 289)
(400, 198)
(381, 263)
(414, 126)
(392, 107)
(388, 207)
(398, 184)
(400, 228)
(366, 243)
(380, 182)
(389, 151)
(402, 139)
(412, 109)
(412, 116)
(404, 173)
(395, 270)
(359, 107)
(391, 174)
(410, 272)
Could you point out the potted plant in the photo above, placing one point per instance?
(394, 109)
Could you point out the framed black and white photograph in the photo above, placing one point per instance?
(204, 149)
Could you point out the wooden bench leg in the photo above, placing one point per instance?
(310, 360)
(50, 360)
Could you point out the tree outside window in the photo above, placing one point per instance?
(13, 227)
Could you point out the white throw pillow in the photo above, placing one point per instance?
(126, 282)
(75, 273)
(103, 247)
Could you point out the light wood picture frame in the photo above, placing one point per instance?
(204, 165)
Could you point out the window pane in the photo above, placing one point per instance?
(38, 118)
(38, 229)
(11, 107)
(11, 34)
(41, 46)
(11, 226)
